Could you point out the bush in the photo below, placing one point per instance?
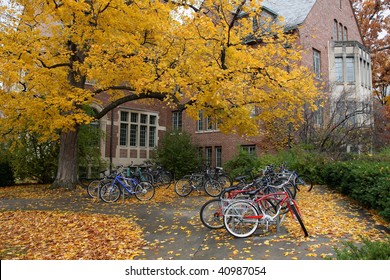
(242, 164)
(296, 159)
(177, 154)
(370, 250)
(6, 174)
(34, 160)
(365, 181)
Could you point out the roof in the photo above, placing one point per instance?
(294, 12)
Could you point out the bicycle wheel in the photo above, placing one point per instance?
(163, 180)
(144, 191)
(211, 214)
(241, 219)
(147, 177)
(213, 188)
(166, 180)
(183, 187)
(84, 182)
(291, 189)
(93, 188)
(296, 213)
(225, 181)
(109, 193)
(304, 182)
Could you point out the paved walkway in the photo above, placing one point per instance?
(174, 231)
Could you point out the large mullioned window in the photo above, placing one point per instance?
(137, 129)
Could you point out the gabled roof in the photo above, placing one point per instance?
(294, 12)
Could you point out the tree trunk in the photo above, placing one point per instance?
(67, 161)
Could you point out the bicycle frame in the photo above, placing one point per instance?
(286, 200)
(122, 181)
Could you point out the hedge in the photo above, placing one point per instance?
(365, 181)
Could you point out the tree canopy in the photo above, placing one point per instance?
(222, 57)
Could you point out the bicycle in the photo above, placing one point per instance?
(242, 218)
(304, 182)
(95, 185)
(130, 186)
(197, 181)
(300, 181)
(160, 177)
(222, 177)
(211, 214)
(212, 211)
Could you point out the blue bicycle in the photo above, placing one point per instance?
(111, 192)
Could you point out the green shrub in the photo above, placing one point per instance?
(365, 181)
(178, 154)
(370, 250)
(242, 164)
(6, 174)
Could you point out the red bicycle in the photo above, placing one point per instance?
(243, 217)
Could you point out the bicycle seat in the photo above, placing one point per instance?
(240, 178)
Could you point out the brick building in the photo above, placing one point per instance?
(332, 46)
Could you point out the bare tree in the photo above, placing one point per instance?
(343, 124)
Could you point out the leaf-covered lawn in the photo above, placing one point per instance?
(51, 235)
(64, 235)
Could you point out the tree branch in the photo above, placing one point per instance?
(53, 66)
(128, 98)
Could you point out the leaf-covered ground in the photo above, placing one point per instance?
(40, 223)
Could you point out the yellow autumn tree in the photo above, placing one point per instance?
(222, 57)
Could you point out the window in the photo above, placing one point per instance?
(152, 131)
(177, 120)
(218, 156)
(335, 32)
(199, 123)
(205, 123)
(345, 33)
(340, 35)
(142, 135)
(139, 129)
(152, 120)
(134, 117)
(317, 63)
(209, 123)
(123, 128)
(368, 75)
(144, 118)
(251, 149)
(365, 73)
(152, 136)
(339, 69)
(350, 69)
(133, 135)
(209, 156)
